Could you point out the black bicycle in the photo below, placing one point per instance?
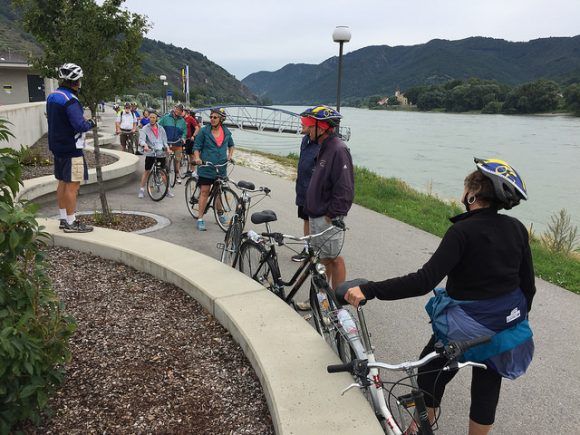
(222, 198)
(158, 179)
(235, 233)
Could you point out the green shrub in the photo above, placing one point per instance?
(34, 331)
(560, 237)
(29, 156)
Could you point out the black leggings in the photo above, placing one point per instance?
(485, 387)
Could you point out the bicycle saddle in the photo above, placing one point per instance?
(246, 185)
(341, 290)
(261, 217)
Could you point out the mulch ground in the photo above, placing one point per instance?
(146, 358)
(120, 222)
(45, 156)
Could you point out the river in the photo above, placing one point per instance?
(433, 152)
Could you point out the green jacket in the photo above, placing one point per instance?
(210, 152)
(175, 128)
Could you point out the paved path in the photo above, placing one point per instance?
(377, 247)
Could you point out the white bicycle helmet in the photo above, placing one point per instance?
(70, 71)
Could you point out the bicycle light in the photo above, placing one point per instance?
(321, 269)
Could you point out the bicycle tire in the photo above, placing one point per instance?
(254, 263)
(157, 184)
(171, 171)
(323, 323)
(192, 191)
(183, 165)
(231, 242)
(229, 204)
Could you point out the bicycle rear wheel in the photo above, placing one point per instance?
(232, 242)
(225, 204)
(253, 261)
(183, 165)
(157, 184)
(171, 171)
(192, 191)
(321, 315)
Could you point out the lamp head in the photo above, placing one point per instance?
(341, 34)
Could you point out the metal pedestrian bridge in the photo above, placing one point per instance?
(263, 119)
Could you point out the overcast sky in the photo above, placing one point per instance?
(245, 36)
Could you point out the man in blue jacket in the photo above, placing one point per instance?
(66, 141)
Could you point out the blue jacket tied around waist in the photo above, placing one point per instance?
(503, 318)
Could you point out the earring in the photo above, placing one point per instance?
(471, 200)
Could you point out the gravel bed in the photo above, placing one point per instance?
(146, 358)
(41, 145)
(121, 222)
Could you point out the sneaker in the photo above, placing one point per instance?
(200, 225)
(223, 219)
(141, 193)
(77, 227)
(62, 224)
(178, 179)
(170, 194)
(298, 258)
(303, 306)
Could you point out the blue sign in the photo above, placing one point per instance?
(169, 93)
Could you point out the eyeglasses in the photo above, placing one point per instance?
(214, 117)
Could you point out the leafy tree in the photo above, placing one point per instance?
(413, 93)
(34, 332)
(536, 97)
(572, 98)
(431, 100)
(103, 39)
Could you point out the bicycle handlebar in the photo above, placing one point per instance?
(279, 237)
(213, 165)
(453, 350)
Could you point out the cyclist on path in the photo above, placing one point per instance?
(490, 287)
(214, 144)
(331, 189)
(154, 143)
(176, 130)
(125, 127)
(66, 141)
(192, 131)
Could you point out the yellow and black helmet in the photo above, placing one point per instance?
(509, 187)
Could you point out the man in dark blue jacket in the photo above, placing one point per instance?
(66, 141)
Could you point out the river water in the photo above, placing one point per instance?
(433, 152)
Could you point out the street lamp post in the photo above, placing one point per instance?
(162, 77)
(341, 35)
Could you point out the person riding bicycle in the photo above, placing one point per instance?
(331, 189)
(155, 145)
(214, 144)
(490, 287)
(125, 127)
(176, 130)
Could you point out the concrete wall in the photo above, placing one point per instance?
(17, 78)
(28, 123)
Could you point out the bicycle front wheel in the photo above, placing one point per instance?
(253, 261)
(232, 242)
(157, 184)
(321, 315)
(171, 171)
(225, 204)
(192, 191)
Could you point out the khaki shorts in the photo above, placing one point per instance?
(330, 243)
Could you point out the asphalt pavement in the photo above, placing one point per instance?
(378, 247)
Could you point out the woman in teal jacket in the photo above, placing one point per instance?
(213, 144)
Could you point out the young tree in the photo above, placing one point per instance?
(103, 39)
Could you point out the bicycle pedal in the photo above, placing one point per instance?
(307, 317)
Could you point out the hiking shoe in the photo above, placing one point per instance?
(188, 174)
(178, 179)
(298, 258)
(302, 306)
(200, 225)
(77, 227)
(141, 193)
(223, 219)
(62, 223)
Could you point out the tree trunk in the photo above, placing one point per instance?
(107, 215)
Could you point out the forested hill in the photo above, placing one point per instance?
(209, 83)
(380, 70)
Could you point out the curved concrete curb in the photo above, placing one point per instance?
(289, 357)
(126, 164)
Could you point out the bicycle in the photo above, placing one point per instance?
(235, 233)
(222, 198)
(258, 259)
(157, 180)
(171, 170)
(357, 353)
